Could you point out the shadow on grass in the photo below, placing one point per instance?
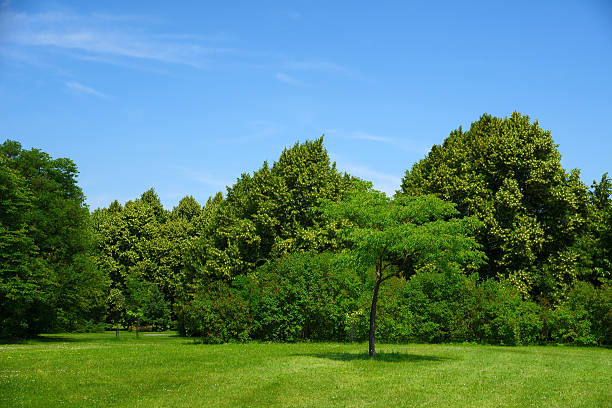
(44, 339)
(124, 336)
(385, 357)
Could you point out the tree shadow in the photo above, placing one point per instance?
(41, 339)
(89, 338)
(392, 357)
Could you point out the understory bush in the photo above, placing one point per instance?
(307, 296)
(584, 318)
(304, 296)
(218, 314)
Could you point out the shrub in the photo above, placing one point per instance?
(584, 318)
(438, 307)
(216, 314)
(304, 296)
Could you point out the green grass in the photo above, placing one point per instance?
(169, 371)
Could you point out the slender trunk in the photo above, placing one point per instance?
(373, 315)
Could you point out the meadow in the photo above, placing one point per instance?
(97, 369)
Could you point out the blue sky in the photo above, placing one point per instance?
(185, 99)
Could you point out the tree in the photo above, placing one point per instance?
(47, 278)
(142, 241)
(188, 208)
(507, 173)
(402, 236)
(145, 304)
(269, 213)
(25, 301)
(116, 308)
(595, 245)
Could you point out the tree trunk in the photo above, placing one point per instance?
(373, 315)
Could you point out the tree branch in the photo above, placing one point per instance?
(389, 277)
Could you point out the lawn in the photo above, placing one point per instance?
(170, 371)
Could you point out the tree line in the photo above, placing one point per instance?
(488, 240)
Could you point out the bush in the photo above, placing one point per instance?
(422, 309)
(217, 314)
(501, 316)
(304, 296)
(584, 318)
(309, 296)
(396, 321)
(438, 307)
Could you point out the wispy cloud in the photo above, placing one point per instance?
(289, 79)
(374, 138)
(320, 66)
(83, 89)
(204, 177)
(408, 145)
(143, 42)
(107, 35)
(255, 130)
(20, 57)
(387, 183)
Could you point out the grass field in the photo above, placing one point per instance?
(169, 371)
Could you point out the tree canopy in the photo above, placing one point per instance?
(47, 277)
(489, 240)
(271, 212)
(401, 236)
(507, 173)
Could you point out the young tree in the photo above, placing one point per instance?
(187, 209)
(116, 308)
(400, 236)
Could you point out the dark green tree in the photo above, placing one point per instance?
(595, 245)
(507, 173)
(399, 237)
(145, 304)
(116, 308)
(47, 277)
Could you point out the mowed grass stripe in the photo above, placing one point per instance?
(162, 371)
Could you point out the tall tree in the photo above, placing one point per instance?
(142, 242)
(270, 212)
(48, 278)
(507, 172)
(398, 237)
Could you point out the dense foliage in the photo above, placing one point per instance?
(270, 213)
(489, 240)
(47, 278)
(507, 173)
(399, 237)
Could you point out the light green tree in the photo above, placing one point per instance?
(269, 213)
(142, 242)
(399, 237)
(507, 173)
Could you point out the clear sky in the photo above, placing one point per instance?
(186, 96)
